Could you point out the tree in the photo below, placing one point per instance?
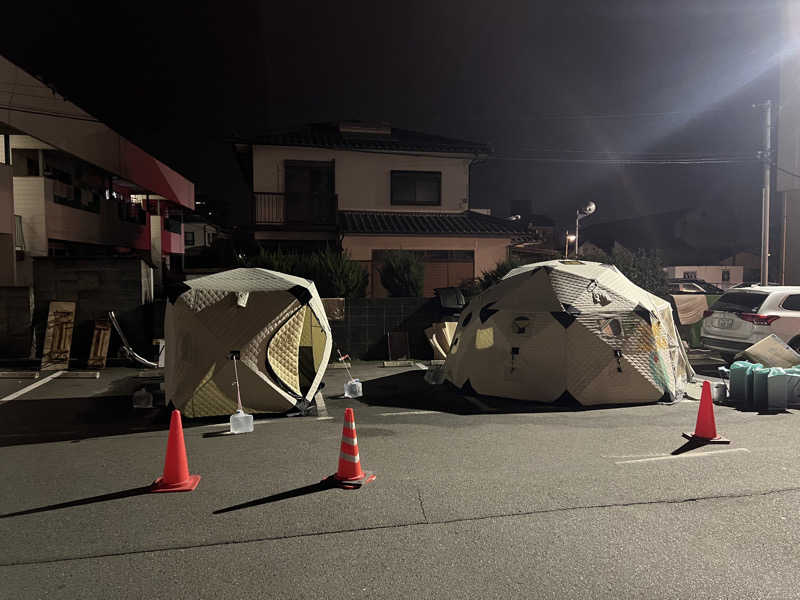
(334, 274)
(643, 267)
(402, 274)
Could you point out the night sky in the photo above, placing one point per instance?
(557, 80)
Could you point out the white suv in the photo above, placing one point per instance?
(743, 316)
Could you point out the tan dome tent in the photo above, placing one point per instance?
(276, 321)
(569, 329)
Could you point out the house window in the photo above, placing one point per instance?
(726, 275)
(416, 188)
(188, 237)
(690, 274)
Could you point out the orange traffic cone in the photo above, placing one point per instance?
(176, 476)
(706, 430)
(350, 474)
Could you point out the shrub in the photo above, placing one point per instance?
(334, 274)
(402, 274)
(489, 278)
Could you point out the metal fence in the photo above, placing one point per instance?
(269, 208)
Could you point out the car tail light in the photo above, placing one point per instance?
(707, 313)
(758, 319)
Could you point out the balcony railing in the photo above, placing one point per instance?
(273, 208)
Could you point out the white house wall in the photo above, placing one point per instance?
(710, 273)
(29, 204)
(201, 233)
(363, 179)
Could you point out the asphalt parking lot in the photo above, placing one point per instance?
(474, 497)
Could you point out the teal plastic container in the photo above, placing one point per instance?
(747, 399)
(760, 389)
(784, 388)
(738, 381)
(777, 387)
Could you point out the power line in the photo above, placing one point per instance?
(26, 94)
(788, 172)
(605, 153)
(48, 114)
(588, 116)
(630, 161)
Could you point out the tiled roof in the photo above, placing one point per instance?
(388, 139)
(398, 223)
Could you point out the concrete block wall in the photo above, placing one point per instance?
(364, 330)
(97, 285)
(16, 314)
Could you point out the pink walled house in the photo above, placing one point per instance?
(78, 188)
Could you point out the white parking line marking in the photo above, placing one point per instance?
(322, 410)
(421, 366)
(266, 421)
(410, 412)
(255, 422)
(684, 455)
(32, 386)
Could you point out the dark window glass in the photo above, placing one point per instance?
(309, 189)
(188, 237)
(792, 303)
(726, 276)
(736, 302)
(417, 188)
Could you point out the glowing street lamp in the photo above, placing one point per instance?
(587, 210)
(570, 237)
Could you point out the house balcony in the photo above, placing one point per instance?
(51, 210)
(294, 212)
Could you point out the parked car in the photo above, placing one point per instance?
(743, 316)
(452, 301)
(692, 286)
(747, 284)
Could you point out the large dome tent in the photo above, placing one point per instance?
(276, 321)
(569, 329)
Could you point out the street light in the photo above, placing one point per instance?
(587, 210)
(570, 237)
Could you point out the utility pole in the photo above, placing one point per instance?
(766, 157)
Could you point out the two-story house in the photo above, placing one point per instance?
(370, 188)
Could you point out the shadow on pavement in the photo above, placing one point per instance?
(37, 421)
(410, 390)
(301, 491)
(688, 446)
(137, 491)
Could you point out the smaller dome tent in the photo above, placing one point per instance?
(276, 322)
(569, 329)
